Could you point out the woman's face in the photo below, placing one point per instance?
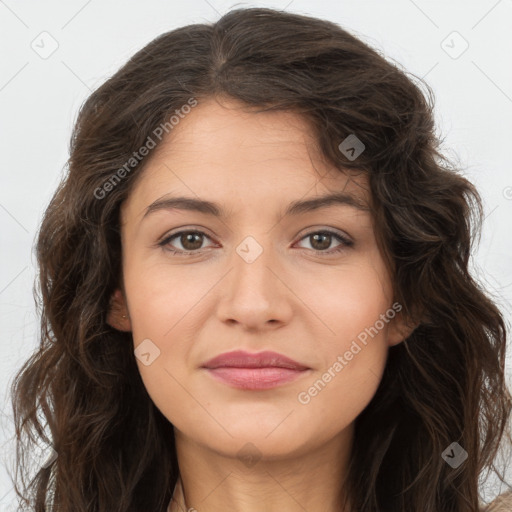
(255, 278)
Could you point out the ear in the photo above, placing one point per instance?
(400, 328)
(117, 315)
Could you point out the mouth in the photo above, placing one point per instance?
(259, 371)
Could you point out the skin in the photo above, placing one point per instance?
(298, 298)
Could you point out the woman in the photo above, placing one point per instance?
(255, 288)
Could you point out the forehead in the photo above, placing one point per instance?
(222, 150)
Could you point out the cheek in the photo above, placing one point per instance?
(166, 310)
(333, 400)
(354, 362)
(353, 306)
(160, 296)
(346, 301)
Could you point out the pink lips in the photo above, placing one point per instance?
(263, 370)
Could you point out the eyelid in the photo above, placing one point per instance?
(185, 229)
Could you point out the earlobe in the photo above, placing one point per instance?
(117, 315)
(400, 328)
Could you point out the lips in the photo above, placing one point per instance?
(241, 359)
(254, 372)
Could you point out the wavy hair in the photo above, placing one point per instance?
(81, 391)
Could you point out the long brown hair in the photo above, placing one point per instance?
(81, 390)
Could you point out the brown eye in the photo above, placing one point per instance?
(190, 241)
(322, 240)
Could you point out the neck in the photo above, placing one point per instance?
(307, 481)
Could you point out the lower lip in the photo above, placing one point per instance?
(255, 378)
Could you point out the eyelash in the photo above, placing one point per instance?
(345, 242)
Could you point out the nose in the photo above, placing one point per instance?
(256, 292)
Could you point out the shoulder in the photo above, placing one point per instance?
(502, 503)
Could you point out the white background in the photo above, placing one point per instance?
(40, 97)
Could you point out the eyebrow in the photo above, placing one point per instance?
(294, 208)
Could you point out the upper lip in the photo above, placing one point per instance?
(241, 359)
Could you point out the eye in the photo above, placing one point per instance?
(321, 240)
(190, 241)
